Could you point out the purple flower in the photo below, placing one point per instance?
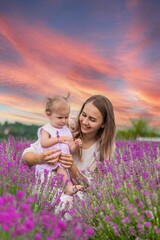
(126, 220)
(37, 236)
(156, 229)
(77, 232)
(89, 231)
(140, 228)
(62, 225)
(107, 218)
(147, 224)
(115, 228)
(20, 194)
(57, 232)
(145, 175)
(29, 224)
(149, 214)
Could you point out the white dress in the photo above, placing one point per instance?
(53, 132)
(88, 156)
(87, 165)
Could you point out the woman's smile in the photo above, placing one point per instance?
(90, 119)
(85, 127)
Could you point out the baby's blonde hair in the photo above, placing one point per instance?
(55, 103)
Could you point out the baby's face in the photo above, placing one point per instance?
(59, 119)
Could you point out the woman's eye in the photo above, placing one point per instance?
(92, 119)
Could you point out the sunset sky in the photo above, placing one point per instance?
(84, 47)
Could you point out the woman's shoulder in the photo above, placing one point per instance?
(32, 148)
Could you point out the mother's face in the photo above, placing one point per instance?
(90, 119)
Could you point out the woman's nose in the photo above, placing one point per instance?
(85, 121)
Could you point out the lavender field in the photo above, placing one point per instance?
(123, 201)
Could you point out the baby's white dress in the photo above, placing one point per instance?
(54, 132)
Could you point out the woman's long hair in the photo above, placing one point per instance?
(106, 134)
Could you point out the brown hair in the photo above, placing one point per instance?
(106, 135)
(55, 102)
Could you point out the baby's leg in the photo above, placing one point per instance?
(63, 172)
(70, 189)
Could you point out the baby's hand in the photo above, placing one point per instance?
(78, 142)
(64, 139)
(75, 145)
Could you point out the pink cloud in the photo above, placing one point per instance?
(53, 63)
(49, 58)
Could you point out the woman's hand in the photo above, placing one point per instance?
(66, 160)
(50, 156)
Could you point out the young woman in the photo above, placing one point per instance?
(95, 127)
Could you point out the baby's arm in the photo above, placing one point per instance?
(47, 140)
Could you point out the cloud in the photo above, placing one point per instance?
(48, 62)
(49, 58)
(12, 117)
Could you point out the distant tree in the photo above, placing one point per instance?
(18, 130)
(140, 128)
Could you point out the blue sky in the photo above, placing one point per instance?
(83, 47)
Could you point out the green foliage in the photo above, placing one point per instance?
(139, 128)
(18, 130)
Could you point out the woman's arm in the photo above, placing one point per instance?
(31, 158)
(48, 156)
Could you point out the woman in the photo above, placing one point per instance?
(95, 127)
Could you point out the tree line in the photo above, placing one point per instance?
(18, 130)
(138, 128)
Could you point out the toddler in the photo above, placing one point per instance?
(56, 134)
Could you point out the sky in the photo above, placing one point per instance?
(84, 47)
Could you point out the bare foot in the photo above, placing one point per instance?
(72, 189)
